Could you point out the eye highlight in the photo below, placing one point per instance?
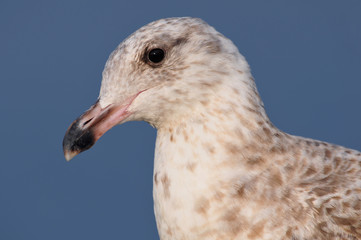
(156, 55)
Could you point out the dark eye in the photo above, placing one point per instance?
(156, 55)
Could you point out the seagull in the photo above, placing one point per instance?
(222, 170)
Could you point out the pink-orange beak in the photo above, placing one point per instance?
(89, 127)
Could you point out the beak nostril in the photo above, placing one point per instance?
(86, 122)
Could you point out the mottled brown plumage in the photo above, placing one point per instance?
(222, 170)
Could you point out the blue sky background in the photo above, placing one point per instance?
(305, 57)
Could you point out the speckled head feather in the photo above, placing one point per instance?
(222, 170)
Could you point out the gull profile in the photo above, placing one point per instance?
(222, 170)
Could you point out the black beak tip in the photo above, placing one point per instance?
(77, 140)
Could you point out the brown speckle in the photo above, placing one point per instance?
(328, 153)
(218, 196)
(232, 218)
(310, 171)
(344, 221)
(205, 103)
(201, 206)
(231, 215)
(321, 191)
(255, 161)
(191, 166)
(169, 232)
(277, 149)
(166, 184)
(156, 179)
(212, 46)
(337, 161)
(252, 110)
(322, 226)
(289, 233)
(327, 169)
(357, 205)
(267, 131)
(233, 149)
(185, 135)
(345, 204)
(241, 191)
(276, 179)
(256, 231)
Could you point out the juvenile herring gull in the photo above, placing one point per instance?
(222, 170)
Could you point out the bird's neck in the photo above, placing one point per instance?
(231, 127)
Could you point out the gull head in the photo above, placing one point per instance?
(161, 73)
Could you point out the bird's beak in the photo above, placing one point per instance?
(89, 127)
